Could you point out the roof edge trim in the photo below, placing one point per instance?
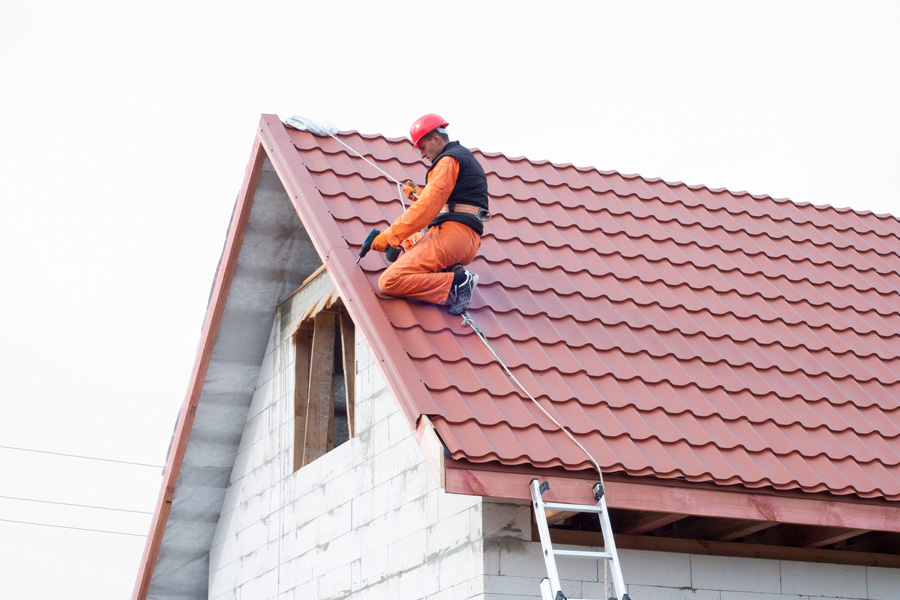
(432, 449)
(214, 311)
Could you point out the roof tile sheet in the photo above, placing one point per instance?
(678, 331)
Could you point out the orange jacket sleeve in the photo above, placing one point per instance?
(441, 181)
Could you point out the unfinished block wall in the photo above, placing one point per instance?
(512, 563)
(365, 521)
(368, 521)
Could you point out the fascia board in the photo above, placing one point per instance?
(214, 311)
(512, 483)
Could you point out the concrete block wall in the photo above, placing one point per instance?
(514, 565)
(366, 521)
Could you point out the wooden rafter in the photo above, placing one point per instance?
(722, 530)
(808, 537)
(555, 516)
(636, 523)
(825, 536)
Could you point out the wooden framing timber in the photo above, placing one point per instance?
(302, 342)
(674, 497)
(320, 416)
(662, 544)
(317, 362)
(348, 350)
(723, 530)
(432, 448)
(635, 523)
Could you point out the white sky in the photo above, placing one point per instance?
(126, 127)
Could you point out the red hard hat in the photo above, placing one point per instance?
(425, 125)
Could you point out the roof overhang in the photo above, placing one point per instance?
(669, 500)
(670, 497)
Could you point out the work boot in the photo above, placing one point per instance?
(461, 293)
(455, 268)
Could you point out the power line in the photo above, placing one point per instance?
(140, 512)
(123, 462)
(76, 528)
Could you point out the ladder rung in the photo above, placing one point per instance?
(588, 508)
(583, 554)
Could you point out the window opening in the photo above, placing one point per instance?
(324, 384)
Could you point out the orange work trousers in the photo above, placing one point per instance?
(418, 272)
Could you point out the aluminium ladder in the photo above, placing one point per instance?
(550, 587)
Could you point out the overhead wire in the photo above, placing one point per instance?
(71, 504)
(112, 460)
(70, 527)
(128, 510)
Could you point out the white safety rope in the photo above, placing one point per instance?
(468, 321)
(379, 169)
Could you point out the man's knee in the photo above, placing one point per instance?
(387, 282)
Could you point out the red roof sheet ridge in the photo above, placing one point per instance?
(587, 285)
(695, 187)
(775, 442)
(402, 142)
(740, 339)
(805, 472)
(885, 292)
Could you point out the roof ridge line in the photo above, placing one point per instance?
(676, 184)
(863, 214)
(693, 207)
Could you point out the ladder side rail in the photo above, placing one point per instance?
(540, 518)
(546, 593)
(610, 547)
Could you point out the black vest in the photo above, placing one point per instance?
(470, 188)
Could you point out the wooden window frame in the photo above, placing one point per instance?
(315, 362)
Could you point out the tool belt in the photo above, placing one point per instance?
(469, 209)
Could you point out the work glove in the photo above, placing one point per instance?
(380, 243)
(377, 241)
(412, 191)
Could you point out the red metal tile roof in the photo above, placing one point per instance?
(678, 331)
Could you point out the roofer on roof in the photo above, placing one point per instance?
(452, 205)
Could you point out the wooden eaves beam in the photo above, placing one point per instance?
(675, 498)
